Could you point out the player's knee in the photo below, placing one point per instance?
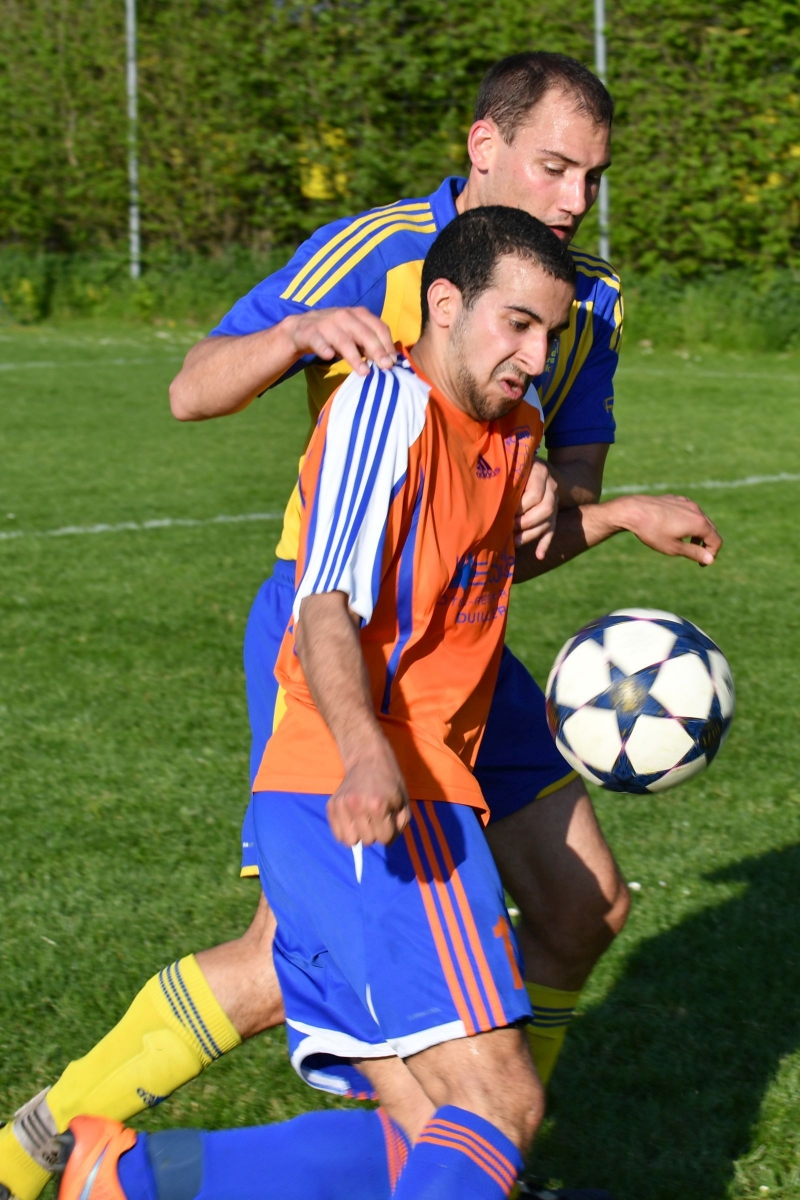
(617, 915)
(577, 931)
(501, 1086)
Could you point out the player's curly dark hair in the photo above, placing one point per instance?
(513, 86)
(467, 249)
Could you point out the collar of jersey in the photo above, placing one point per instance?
(472, 428)
(443, 200)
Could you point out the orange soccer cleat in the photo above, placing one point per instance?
(93, 1147)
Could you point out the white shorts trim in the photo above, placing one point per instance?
(413, 1043)
(342, 1045)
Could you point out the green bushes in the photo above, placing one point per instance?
(35, 287)
(734, 311)
(260, 119)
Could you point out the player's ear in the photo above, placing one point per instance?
(444, 299)
(482, 141)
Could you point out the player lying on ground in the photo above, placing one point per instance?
(398, 965)
(540, 142)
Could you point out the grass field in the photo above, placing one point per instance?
(123, 739)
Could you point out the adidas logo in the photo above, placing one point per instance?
(484, 470)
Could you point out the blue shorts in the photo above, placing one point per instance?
(518, 761)
(384, 950)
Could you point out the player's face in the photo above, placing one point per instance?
(552, 169)
(502, 341)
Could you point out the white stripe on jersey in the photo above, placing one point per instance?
(373, 422)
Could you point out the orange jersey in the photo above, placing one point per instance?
(408, 508)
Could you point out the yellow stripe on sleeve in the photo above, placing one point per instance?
(390, 210)
(362, 252)
(580, 356)
(414, 221)
(611, 280)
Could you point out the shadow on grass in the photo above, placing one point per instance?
(659, 1086)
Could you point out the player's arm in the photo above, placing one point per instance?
(371, 805)
(673, 525)
(581, 428)
(345, 546)
(570, 476)
(224, 373)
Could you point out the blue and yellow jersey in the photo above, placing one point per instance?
(375, 260)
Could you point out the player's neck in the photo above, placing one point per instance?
(433, 366)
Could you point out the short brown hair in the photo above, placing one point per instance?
(515, 85)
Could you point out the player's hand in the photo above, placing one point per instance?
(371, 803)
(673, 525)
(354, 334)
(535, 519)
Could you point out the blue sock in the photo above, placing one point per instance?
(350, 1155)
(459, 1154)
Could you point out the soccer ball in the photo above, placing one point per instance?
(640, 700)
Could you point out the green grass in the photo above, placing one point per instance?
(123, 738)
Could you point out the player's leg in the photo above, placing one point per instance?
(555, 861)
(241, 974)
(190, 1013)
(419, 932)
(330, 1155)
(412, 939)
(573, 902)
(551, 854)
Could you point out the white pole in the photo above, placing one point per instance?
(133, 159)
(600, 67)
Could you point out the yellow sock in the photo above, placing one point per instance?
(22, 1176)
(172, 1031)
(174, 1028)
(552, 1012)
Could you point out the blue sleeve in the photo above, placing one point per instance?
(309, 280)
(586, 415)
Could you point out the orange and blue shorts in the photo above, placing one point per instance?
(384, 950)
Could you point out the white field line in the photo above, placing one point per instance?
(138, 526)
(241, 518)
(625, 371)
(705, 484)
(96, 362)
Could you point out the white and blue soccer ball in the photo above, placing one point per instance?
(640, 700)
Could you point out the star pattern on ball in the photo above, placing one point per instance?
(640, 700)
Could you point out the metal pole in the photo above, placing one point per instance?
(600, 67)
(133, 158)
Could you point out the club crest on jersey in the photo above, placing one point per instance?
(520, 450)
(485, 470)
(549, 366)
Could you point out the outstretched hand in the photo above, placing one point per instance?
(354, 334)
(673, 525)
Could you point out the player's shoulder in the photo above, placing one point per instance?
(357, 251)
(382, 398)
(595, 274)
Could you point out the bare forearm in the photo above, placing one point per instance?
(371, 803)
(577, 530)
(578, 471)
(221, 375)
(672, 525)
(329, 650)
